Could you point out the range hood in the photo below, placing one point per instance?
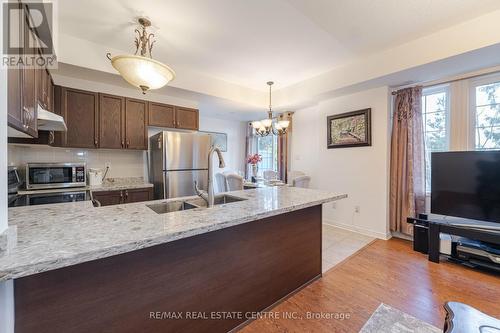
(49, 121)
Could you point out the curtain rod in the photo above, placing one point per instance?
(430, 84)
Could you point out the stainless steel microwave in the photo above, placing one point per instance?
(55, 175)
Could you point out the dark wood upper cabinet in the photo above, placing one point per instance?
(43, 82)
(28, 87)
(98, 120)
(161, 115)
(14, 99)
(80, 110)
(50, 89)
(186, 118)
(135, 124)
(29, 104)
(111, 121)
(15, 113)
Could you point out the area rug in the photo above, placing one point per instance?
(389, 320)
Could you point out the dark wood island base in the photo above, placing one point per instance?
(188, 285)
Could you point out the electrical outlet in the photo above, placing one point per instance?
(334, 205)
(107, 165)
(357, 209)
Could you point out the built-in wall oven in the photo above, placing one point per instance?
(55, 175)
(37, 198)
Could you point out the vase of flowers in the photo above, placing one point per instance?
(253, 160)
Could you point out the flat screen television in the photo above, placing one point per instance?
(466, 184)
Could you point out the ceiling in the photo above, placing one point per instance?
(248, 42)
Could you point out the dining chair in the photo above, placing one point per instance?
(270, 175)
(301, 181)
(220, 179)
(234, 182)
(292, 174)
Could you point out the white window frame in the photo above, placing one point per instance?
(274, 147)
(473, 84)
(430, 91)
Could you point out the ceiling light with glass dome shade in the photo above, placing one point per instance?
(269, 126)
(142, 71)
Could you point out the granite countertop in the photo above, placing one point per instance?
(60, 235)
(116, 184)
(110, 184)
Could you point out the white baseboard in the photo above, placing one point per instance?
(363, 231)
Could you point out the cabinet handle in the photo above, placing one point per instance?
(126, 194)
(128, 143)
(121, 196)
(123, 144)
(51, 137)
(95, 142)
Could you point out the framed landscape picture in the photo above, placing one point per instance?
(351, 129)
(218, 140)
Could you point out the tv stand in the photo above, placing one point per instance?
(472, 229)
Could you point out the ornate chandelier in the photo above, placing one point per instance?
(268, 126)
(142, 71)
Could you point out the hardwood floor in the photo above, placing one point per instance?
(387, 272)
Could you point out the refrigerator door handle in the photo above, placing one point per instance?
(165, 185)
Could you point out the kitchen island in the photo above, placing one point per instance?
(126, 268)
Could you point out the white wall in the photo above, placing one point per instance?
(236, 138)
(360, 172)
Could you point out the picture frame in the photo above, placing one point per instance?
(218, 139)
(350, 129)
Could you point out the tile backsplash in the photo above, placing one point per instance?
(123, 163)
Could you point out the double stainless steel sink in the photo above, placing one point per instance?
(175, 206)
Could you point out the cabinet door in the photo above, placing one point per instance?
(111, 116)
(41, 87)
(29, 88)
(135, 124)
(50, 92)
(45, 89)
(108, 198)
(138, 195)
(57, 105)
(14, 99)
(161, 115)
(80, 111)
(14, 92)
(186, 118)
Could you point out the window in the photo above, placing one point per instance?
(267, 147)
(435, 110)
(486, 113)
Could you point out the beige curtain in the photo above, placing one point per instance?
(407, 183)
(284, 142)
(251, 147)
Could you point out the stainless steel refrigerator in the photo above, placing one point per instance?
(176, 160)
